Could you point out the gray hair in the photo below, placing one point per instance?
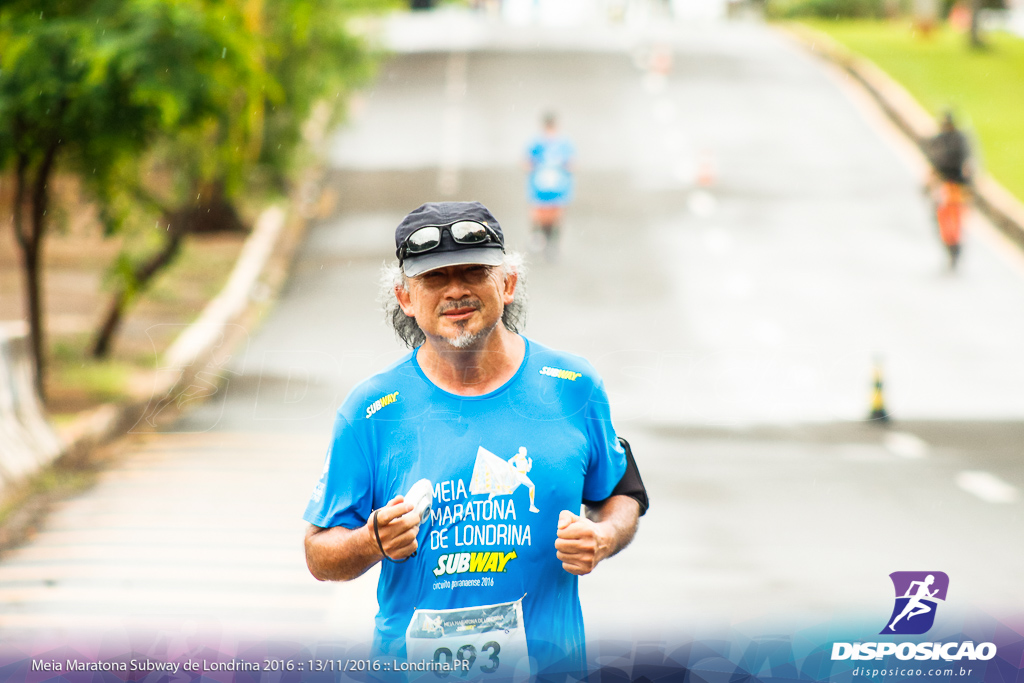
(405, 327)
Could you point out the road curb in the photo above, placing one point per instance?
(997, 203)
(27, 441)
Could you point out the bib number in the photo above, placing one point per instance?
(465, 642)
(550, 179)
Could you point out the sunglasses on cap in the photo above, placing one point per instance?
(428, 237)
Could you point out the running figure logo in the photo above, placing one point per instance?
(497, 477)
(917, 595)
(432, 628)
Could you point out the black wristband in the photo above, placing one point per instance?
(376, 533)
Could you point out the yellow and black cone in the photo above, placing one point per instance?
(878, 411)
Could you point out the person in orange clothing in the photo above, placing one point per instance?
(950, 155)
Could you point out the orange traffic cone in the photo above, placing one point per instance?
(705, 169)
(661, 60)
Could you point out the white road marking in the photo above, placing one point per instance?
(455, 85)
(987, 486)
(906, 445)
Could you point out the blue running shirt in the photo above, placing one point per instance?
(503, 465)
(550, 182)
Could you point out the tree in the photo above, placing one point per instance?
(196, 160)
(167, 110)
(54, 89)
(314, 59)
(304, 55)
(88, 86)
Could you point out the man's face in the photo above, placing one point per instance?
(460, 305)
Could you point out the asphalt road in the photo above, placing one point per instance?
(736, 324)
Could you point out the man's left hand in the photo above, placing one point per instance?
(581, 543)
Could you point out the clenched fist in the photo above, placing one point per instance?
(397, 527)
(581, 543)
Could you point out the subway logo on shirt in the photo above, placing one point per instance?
(560, 373)
(460, 563)
(381, 402)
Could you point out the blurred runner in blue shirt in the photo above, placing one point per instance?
(550, 184)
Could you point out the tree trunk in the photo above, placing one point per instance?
(975, 35)
(34, 296)
(214, 213)
(28, 237)
(142, 277)
(40, 203)
(110, 326)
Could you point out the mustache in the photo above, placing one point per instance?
(461, 303)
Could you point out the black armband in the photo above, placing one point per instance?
(631, 484)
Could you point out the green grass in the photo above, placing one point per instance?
(76, 381)
(984, 88)
(77, 377)
(197, 274)
(105, 381)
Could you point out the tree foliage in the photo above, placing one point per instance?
(303, 54)
(167, 110)
(88, 87)
(825, 9)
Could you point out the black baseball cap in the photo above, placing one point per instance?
(449, 252)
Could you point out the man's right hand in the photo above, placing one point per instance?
(397, 527)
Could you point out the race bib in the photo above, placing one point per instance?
(550, 179)
(467, 641)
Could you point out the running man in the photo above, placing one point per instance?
(489, 578)
(914, 606)
(549, 162)
(950, 155)
(522, 465)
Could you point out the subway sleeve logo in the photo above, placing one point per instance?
(385, 400)
(560, 373)
(460, 563)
